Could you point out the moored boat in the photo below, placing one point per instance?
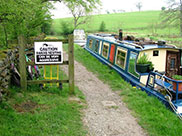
(146, 65)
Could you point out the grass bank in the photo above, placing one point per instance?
(47, 112)
(152, 115)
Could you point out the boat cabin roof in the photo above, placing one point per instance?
(139, 45)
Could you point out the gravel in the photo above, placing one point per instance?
(106, 114)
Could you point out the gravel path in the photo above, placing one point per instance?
(106, 114)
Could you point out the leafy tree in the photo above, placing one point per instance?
(107, 11)
(66, 28)
(81, 9)
(173, 14)
(22, 17)
(163, 8)
(102, 27)
(139, 6)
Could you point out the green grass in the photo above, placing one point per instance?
(152, 115)
(139, 24)
(145, 22)
(130, 21)
(47, 112)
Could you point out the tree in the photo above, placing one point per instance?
(22, 17)
(163, 8)
(173, 14)
(139, 6)
(80, 10)
(66, 28)
(102, 27)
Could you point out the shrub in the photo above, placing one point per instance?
(102, 27)
(66, 29)
(177, 77)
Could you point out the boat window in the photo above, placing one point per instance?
(121, 58)
(96, 49)
(155, 53)
(90, 44)
(151, 80)
(172, 64)
(105, 50)
(132, 64)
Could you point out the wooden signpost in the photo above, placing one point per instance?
(23, 64)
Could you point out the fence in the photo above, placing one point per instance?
(23, 64)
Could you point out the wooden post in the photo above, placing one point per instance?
(22, 63)
(71, 64)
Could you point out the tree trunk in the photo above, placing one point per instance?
(5, 35)
(75, 22)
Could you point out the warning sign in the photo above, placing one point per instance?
(48, 52)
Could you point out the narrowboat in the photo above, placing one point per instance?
(156, 78)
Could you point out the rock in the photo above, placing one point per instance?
(1, 63)
(4, 73)
(74, 99)
(108, 104)
(1, 97)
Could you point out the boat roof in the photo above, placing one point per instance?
(134, 44)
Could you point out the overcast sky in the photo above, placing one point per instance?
(61, 11)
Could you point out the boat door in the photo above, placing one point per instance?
(172, 63)
(112, 53)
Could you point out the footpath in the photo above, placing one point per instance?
(106, 114)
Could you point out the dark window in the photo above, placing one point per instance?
(172, 64)
(90, 44)
(155, 53)
(96, 46)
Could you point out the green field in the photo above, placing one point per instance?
(144, 24)
(131, 21)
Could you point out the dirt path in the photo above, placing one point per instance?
(106, 114)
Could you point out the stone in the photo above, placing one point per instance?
(1, 97)
(74, 99)
(108, 104)
(1, 63)
(4, 73)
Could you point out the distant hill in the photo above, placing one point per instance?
(144, 22)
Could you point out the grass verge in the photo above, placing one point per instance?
(47, 112)
(152, 115)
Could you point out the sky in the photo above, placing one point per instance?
(62, 11)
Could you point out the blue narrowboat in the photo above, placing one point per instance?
(123, 56)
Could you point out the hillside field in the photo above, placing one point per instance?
(145, 23)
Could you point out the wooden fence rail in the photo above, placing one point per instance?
(23, 64)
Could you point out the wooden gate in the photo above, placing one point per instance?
(23, 64)
(172, 63)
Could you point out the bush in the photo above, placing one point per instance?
(66, 29)
(177, 77)
(102, 27)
